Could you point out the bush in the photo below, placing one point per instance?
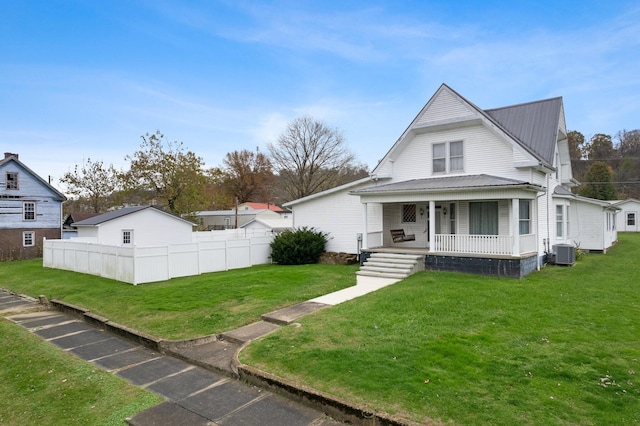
(299, 247)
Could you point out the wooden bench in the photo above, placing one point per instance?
(398, 236)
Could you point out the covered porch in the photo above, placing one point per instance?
(483, 218)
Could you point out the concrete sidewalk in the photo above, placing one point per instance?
(197, 377)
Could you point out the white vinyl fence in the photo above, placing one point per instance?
(209, 252)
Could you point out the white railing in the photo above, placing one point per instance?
(474, 244)
(137, 265)
(528, 243)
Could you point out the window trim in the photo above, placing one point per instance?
(25, 211)
(448, 157)
(32, 235)
(560, 221)
(524, 220)
(127, 234)
(15, 186)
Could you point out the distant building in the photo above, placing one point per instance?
(30, 210)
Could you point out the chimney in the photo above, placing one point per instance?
(9, 155)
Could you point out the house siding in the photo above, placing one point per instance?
(628, 206)
(444, 107)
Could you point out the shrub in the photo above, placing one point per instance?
(299, 247)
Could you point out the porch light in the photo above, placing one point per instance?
(444, 211)
(421, 211)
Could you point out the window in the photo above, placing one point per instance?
(452, 218)
(28, 210)
(12, 180)
(448, 157)
(408, 213)
(525, 217)
(631, 219)
(28, 238)
(559, 221)
(483, 218)
(127, 236)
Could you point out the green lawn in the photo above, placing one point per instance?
(42, 385)
(561, 346)
(182, 307)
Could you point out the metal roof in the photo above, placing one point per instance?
(534, 124)
(444, 183)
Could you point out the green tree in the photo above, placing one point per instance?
(167, 173)
(92, 183)
(310, 157)
(248, 176)
(598, 182)
(600, 147)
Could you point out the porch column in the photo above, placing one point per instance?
(515, 226)
(365, 223)
(432, 225)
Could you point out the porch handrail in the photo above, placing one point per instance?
(474, 244)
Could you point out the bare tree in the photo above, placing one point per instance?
(310, 157)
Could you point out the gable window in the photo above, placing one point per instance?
(448, 157)
(559, 221)
(631, 219)
(408, 213)
(28, 238)
(12, 180)
(483, 218)
(29, 211)
(127, 236)
(525, 217)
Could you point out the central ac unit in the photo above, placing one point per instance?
(565, 254)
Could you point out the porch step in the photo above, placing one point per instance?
(391, 265)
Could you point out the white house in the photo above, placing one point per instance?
(135, 226)
(30, 210)
(485, 191)
(627, 218)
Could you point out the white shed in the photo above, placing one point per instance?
(137, 225)
(628, 216)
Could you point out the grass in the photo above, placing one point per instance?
(40, 384)
(558, 347)
(182, 307)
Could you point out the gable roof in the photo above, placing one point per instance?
(531, 126)
(97, 220)
(450, 183)
(58, 196)
(562, 192)
(275, 224)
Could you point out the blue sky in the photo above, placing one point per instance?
(84, 79)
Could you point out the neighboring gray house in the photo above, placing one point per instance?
(30, 210)
(227, 219)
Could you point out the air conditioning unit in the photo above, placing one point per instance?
(565, 254)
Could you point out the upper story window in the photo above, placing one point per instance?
(448, 157)
(12, 180)
(29, 210)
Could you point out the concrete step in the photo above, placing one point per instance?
(398, 256)
(385, 269)
(382, 274)
(389, 264)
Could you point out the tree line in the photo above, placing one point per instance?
(608, 168)
(308, 157)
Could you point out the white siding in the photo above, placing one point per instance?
(444, 106)
(629, 206)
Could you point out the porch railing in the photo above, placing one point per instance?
(475, 244)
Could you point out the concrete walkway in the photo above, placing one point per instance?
(197, 380)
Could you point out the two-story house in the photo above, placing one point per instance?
(30, 210)
(483, 191)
